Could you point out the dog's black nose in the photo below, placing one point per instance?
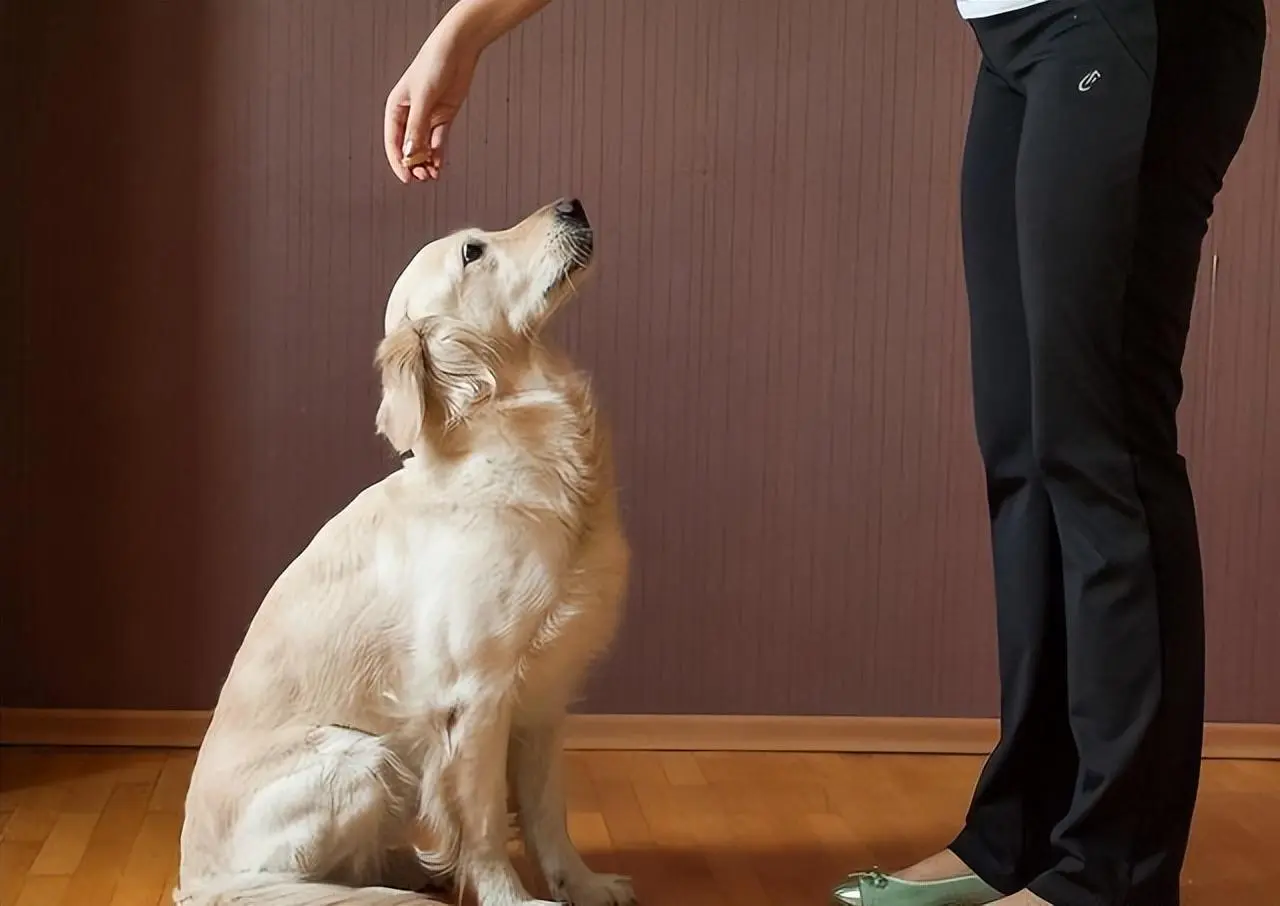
(571, 209)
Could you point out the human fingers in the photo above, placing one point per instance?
(393, 133)
(418, 157)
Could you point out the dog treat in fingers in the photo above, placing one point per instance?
(417, 159)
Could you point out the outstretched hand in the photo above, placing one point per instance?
(423, 104)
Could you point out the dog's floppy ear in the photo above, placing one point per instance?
(434, 371)
(401, 358)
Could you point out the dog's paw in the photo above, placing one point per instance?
(593, 890)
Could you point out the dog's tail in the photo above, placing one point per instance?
(267, 890)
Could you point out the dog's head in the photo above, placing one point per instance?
(466, 305)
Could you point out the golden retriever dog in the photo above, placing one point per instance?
(412, 667)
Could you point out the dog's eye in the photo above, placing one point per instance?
(471, 252)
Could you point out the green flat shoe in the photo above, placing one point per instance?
(874, 888)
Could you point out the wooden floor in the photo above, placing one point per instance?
(100, 828)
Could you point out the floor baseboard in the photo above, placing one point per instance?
(644, 732)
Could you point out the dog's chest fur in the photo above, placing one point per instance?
(539, 475)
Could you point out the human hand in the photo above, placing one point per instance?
(423, 104)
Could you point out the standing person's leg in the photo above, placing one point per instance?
(1090, 73)
(1026, 784)
(1205, 89)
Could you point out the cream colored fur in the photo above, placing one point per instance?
(413, 665)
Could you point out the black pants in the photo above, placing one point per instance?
(1100, 134)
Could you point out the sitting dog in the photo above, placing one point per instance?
(414, 664)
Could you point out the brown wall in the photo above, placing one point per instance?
(202, 232)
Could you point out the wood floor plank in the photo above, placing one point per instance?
(589, 832)
(170, 792)
(15, 860)
(95, 878)
(90, 783)
(682, 769)
(620, 806)
(30, 824)
(151, 861)
(580, 789)
(685, 877)
(18, 777)
(42, 890)
(64, 847)
(711, 826)
(110, 845)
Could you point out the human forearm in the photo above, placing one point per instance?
(478, 23)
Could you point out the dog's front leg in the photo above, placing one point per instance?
(538, 767)
(479, 739)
